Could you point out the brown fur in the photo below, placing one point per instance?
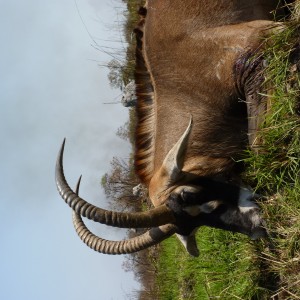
(145, 111)
(186, 54)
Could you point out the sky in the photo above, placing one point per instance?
(51, 87)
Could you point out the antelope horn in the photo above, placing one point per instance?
(173, 162)
(158, 216)
(146, 240)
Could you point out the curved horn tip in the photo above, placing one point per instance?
(61, 153)
(78, 185)
(190, 124)
(63, 144)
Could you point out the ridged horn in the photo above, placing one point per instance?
(141, 242)
(150, 238)
(155, 217)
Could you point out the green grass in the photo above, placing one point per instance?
(224, 270)
(275, 170)
(229, 266)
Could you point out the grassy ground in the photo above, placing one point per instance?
(229, 266)
(224, 269)
(275, 171)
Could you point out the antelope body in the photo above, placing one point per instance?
(198, 104)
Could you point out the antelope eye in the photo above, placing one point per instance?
(191, 194)
(183, 195)
(187, 195)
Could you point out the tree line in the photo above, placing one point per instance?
(119, 182)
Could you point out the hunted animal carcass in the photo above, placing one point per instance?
(198, 74)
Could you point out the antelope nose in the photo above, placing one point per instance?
(258, 233)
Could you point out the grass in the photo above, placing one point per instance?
(224, 269)
(275, 170)
(229, 266)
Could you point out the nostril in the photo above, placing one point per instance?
(258, 233)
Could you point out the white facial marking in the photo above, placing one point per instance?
(207, 208)
(187, 188)
(245, 205)
(256, 220)
(210, 206)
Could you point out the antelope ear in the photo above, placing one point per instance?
(173, 163)
(190, 244)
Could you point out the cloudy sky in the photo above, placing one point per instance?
(51, 87)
